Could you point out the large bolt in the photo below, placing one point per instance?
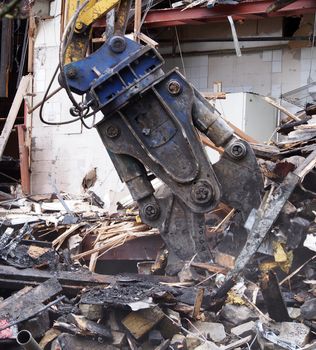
(79, 26)
(202, 192)
(237, 150)
(151, 211)
(174, 87)
(117, 44)
(112, 131)
(71, 72)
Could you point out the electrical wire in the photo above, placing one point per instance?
(180, 51)
(179, 46)
(148, 7)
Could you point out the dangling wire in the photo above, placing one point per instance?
(179, 47)
(180, 51)
(148, 7)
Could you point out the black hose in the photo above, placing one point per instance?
(43, 101)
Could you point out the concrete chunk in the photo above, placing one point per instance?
(91, 312)
(308, 309)
(118, 339)
(192, 342)
(294, 332)
(155, 337)
(294, 312)
(237, 314)
(210, 330)
(178, 342)
(245, 329)
(207, 346)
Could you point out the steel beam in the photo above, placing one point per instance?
(257, 9)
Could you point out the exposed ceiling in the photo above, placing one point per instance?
(244, 10)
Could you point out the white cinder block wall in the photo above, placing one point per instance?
(266, 72)
(64, 154)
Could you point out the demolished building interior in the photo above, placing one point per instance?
(145, 206)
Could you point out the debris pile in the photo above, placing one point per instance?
(52, 222)
(262, 299)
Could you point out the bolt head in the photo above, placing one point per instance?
(174, 87)
(79, 26)
(112, 131)
(71, 72)
(202, 192)
(117, 44)
(237, 150)
(151, 211)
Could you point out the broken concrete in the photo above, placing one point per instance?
(308, 309)
(237, 314)
(293, 332)
(210, 330)
(248, 328)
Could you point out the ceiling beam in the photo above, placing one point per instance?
(176, 17)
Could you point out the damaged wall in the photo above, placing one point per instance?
(64, 154)
(266, 67)
(267, 72)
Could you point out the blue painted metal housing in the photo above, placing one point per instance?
(106, 75)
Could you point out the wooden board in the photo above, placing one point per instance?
(30, 301)
(12, 278)
(24, 161)
(140, 322)
(22, 89)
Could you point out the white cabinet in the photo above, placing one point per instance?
(250, 113)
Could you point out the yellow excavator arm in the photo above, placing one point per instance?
(92, 11)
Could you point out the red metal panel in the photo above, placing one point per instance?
(176, 17)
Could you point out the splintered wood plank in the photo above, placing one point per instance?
(11, 277)
(281, 108)
(140, 322)
(29, 301)
(198, 303)
(22, 89)
(16, 296)
(137, 19)
(24, 161)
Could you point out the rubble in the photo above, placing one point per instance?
(210, 330)
(51, 245)
(308, 309)
(244, 329)
(237, 314)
